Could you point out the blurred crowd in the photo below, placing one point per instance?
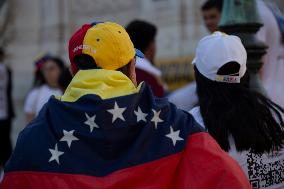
(52, 77)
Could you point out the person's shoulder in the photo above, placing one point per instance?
(33, 91)
(31, 97)
(44, 87)
(145, 65)
(187, 92)
(151, 80)
(143, 75)
(195, 112)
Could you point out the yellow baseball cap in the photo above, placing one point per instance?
(108, 43)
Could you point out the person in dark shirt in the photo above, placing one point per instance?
(143, 35)
(6, 110)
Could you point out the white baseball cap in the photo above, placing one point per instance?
(216, 50)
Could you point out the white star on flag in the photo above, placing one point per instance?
(55, 153)
(68, 137)
(140, 115)
(91, 122)
(117, 112)
(174, 136)
(156, 118)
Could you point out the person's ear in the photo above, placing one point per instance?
(131, 71)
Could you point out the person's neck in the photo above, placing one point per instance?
(53, 86)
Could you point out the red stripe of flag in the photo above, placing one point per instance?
(202, 165)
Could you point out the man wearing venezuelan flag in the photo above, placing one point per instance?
(106, 132)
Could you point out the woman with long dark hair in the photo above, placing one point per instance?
(244, 122)
(48, 71)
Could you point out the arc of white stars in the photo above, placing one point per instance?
(140, 115)
(91, 122)
(117, 112)
(55, 154)
(156, 118)
(68, 137)
(174, 136)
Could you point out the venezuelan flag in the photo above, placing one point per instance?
(105, 133)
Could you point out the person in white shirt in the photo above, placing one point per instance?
(245, 123)
(45, 85)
